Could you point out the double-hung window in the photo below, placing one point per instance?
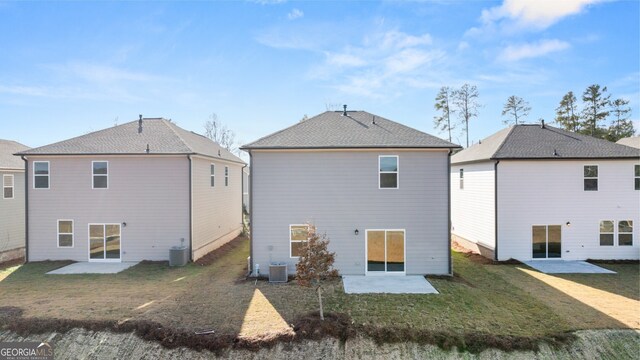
(298, 237)
(591, 178)
(40, 174)
(65, 233)
(100, 172)
(388, 170)
(226, 176)
(625, 233)
(606, 233)
(213, 175)
(637, 176)
(7, 186)
(461, 179)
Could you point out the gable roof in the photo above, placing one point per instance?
(633, 141)
(358, 129)
(532, 141)
(7, 160)
(162, 136)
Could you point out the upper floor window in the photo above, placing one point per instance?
(40, 174)
(226, 176)
(637, 176)
(213, 175)
(7, 186)
(388, 171)
(100, 174)
(591, 178)
(461, 179)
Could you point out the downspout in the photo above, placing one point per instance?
(26, 209)
(495, 208)
(449, 210)
(242, 193)
(251, 211)
(190, 208)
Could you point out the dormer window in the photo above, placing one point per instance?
(388, 172)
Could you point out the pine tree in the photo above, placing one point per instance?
(516, 108)
(567, 113)
(621, 126)
(595, 110)
(465, 100)
(442, 122)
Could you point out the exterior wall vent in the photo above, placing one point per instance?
(278, 273)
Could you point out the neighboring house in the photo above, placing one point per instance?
(633, 141)
(378, 189)
(12, 201)
(130, 193)
(538, 192)
(246, 173)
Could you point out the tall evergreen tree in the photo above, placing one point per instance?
(567, 113)
(442, 122)
(516, 108)
(466, 103)
(595, 109)
(621, 126)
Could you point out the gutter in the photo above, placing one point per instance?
(449, 210)
(242, 193)
(190, 208)
(26, 208)
(495, 208)
(251, 211)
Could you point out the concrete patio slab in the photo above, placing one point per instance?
(566, 267)
(412, 284)
(93, 268)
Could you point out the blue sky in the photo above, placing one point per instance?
(68, 68)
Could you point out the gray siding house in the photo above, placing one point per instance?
(12, 201)
(378, 189)
(130, 193)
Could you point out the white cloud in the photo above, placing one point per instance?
(538, 14)
(295, 14)
(344, 60)
(525, 51)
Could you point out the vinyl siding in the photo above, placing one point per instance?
(217, 211)
(472, 208)
(338, 192)
(12, 218)
(149, 193)
(551, 193)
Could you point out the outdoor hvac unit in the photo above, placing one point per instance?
(178, 256)
(278, 272)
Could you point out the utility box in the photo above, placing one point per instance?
(278, 272)
(178, 256)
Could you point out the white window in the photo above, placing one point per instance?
(100, 171)
(625, 233)
(226, 176)
(213, 175)
(591, 178)
(7, 186)
(388, 172)
(40, 174)
(298, 236)
(461, 179)
(637, 176)
(606, 233)
(65, 233)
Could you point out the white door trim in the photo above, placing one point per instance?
(366, 254)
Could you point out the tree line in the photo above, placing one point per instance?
(456, 107)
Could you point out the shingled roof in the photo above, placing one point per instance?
(633, 141)
(357, 129)
(161, 135)
(533, 141)
(7, 160)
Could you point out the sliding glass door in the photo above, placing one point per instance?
(546, 241)
(104, 242)
(385, 251)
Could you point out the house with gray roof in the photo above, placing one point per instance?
(533, 191)
(131, 192)
(378, 189)
(12, 201)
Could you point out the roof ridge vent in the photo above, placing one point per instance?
(344, 110)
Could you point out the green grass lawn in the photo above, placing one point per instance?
(492, 299)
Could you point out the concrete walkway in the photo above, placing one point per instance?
(566, 267)
(93, 268)
(412, 284)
